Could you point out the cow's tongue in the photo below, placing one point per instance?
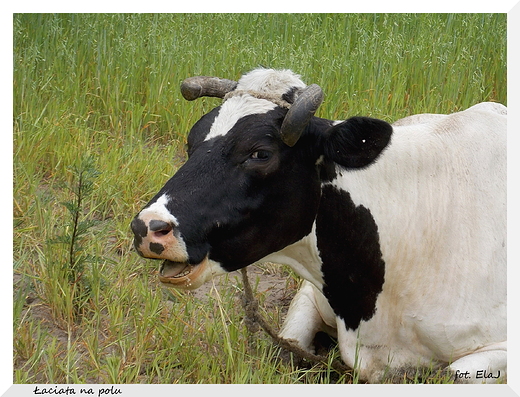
(171, 269)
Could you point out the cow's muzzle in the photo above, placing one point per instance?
(158, 239)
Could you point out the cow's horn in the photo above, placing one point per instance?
(300, 113)
(199, 86)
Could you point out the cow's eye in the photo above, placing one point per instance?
(260, 155)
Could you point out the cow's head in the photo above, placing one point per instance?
(252, 183)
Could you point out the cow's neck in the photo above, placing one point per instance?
(302, 257)
(341, 256)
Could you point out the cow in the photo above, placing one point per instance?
(399, 231)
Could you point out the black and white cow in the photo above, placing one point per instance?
(399, 231)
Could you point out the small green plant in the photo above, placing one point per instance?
(70, 269)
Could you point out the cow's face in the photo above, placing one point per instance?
(245, 191)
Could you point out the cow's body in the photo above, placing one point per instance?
(437, 195)
(403, 253)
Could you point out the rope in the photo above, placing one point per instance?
(260, 95)
(254, 319)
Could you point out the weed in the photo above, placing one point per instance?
(69, 271)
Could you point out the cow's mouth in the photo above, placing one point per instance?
(180, 274)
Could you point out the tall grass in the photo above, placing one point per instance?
(107, 85)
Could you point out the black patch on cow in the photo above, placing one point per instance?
(353, 268)
(290, 95)
(356, 142)
(156, 248)
(328, 171)
(200, 130)
(140, 230)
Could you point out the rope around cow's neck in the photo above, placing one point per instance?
(260, 95)
(253, 319)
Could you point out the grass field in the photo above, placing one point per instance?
(100, 125)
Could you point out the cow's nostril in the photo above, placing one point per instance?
(161, 233)
(160, 228)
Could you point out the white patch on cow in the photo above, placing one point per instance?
(234, 109)
(302, 257)
(270, 81)
(159, 211)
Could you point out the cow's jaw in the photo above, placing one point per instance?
(174, 270)
(184, 275)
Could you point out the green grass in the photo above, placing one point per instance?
(107, 86)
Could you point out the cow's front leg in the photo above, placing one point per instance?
(308, 314)
(486, 365)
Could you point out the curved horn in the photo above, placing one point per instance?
(300, 113)
(198, 86)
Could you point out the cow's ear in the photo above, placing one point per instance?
(356, 142)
